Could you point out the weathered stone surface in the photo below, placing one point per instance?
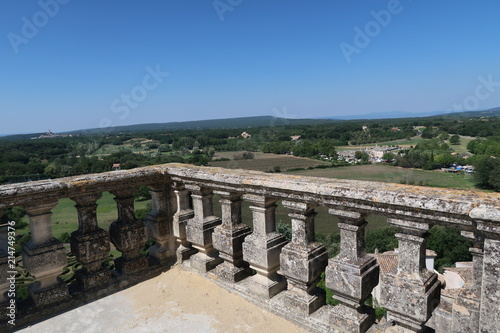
(303, 260)
(490, 290)
(470, 211)
(199, 230)
(159, 226)
(44, 257)
(183, 213)
(228, 239)
(466, 308)
(412, 293)
(352, 274)
(128, 235)
(262, 249)
(90, 244)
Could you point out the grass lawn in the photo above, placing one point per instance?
(65, 219)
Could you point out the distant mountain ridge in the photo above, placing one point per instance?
(241, 122)
(260, 121)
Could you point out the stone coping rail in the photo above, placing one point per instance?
(259, 264)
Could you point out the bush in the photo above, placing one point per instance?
(246, 155)
(65, 237)
(285, 229)
(329, 293)
(141, 214)
(383, 239)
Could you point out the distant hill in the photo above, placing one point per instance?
(243, 122)
(387, 115)
(495, 112)
(262, 121)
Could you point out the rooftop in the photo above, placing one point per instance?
(174, 301)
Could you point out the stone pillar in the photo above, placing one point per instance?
(466, 308)
(183, 214)
(200, 228)
(90, 244)
(352, 275)
(228, 239)
(303, 260)
(159, 226)
(128, 234)
(412, 293)
(262, 249)
(489, 320)
(44, 257)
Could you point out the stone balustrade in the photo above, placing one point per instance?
(258, 263)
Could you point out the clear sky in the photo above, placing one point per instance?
(74, 64)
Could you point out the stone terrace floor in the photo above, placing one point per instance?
(175, 301)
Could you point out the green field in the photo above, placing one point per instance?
(265, 162)
(64, 218)
(391, 174)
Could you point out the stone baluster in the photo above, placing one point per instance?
(159, 225)
(44, 257)
(411, 294)
(352, 275)
(466, 308)
(228, 239)
(128, 234)
(489, 317)
(183, 214)
(302, 261)
(200, 228)
(262, 249)
(90, 244)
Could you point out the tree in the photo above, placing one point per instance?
(449, 246)
(486, 170)
(382, 239)
(444, 160)
(388, 157)
(455, 139)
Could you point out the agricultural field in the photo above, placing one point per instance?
(264, 162)
(391, 174)
(407, 143)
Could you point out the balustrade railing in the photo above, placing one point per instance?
(258, 262)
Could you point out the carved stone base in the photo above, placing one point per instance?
(51, 295)
(263, 286)
(348, 319)
(90, 281)
(161, 256)
(204, 263)
(131, 266)
(466, 310)
(410, 302)
(352, 280)
(229, 273)
(300, 301)
(184, 253)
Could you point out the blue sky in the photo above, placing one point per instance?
(74, 64)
